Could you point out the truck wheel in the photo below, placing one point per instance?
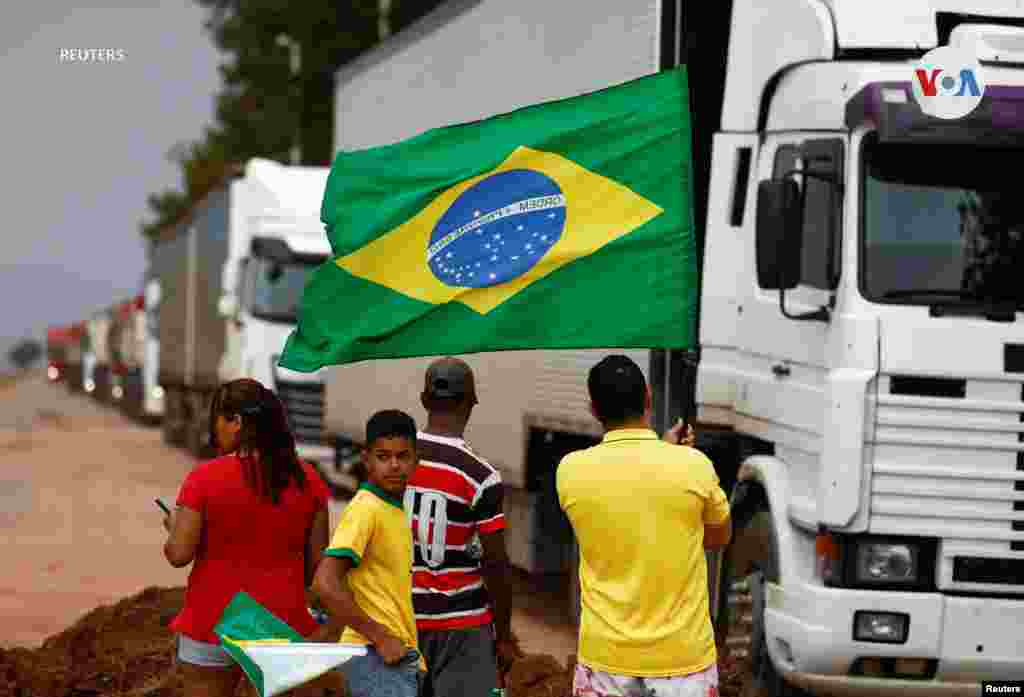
(195, 425)
(748, 563)
(766, 680)
(173, 425)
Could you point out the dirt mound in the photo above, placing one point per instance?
(126, 650)
(123, 649)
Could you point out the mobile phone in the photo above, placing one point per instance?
(163, 506)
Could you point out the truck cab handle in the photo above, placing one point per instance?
(781, 370)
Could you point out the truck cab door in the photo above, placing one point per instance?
(782, 392)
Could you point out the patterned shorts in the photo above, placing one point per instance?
(594, 683)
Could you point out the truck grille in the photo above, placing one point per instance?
(304, 404)
(949, 463)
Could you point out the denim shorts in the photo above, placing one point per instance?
(200, 653)
(369, 676)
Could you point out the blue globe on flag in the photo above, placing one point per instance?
(497, 230)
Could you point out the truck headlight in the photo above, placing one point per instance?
(886, 562)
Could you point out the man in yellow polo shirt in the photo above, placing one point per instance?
(643, 510)
(365, 577)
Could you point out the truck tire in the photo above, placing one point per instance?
(751, 561)
(766, 679)
(174, 417)
(198, 424)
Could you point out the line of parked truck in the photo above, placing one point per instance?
(221, 293)
(862, 404)
(111, 356)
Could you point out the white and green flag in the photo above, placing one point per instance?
(274, 656)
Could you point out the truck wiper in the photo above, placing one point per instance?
(967, 304)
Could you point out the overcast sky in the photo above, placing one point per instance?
(84, 143)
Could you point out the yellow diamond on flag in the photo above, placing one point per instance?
(489, 237)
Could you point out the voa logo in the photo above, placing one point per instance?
(948, 83)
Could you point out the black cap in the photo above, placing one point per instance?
(450, 378)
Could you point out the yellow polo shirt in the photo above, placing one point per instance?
(638, 507)
(373, 532)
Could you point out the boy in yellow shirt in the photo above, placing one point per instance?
(365, 578)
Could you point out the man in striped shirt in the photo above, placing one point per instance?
(454, 503)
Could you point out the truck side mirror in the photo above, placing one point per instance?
(780, 231)
(779, 234)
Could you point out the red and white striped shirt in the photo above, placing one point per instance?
(453, 497)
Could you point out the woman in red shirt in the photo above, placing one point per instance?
(254, 519)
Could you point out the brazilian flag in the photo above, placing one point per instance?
(274, 656)
(561, 225)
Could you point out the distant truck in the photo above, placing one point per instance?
(75, 352)
(147, 325)
(129, 340)
(230, 276)
(119, 340)
(98, 378)
(860, 396)
(58, 340)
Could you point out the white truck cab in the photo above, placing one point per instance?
(883, 518)
(276, 241)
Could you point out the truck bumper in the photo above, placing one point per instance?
(810, 638)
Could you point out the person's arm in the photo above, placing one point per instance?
(488, 510)
(185, 527)
(316, 543)
(717, 519)
(495, 568)
(719, 535)
(315, 546)
(331, 586)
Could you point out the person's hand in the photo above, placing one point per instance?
(325, 634)
(508, 652)
(391, 649)
(675, 435)
(169, 522)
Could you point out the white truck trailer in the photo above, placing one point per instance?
(229, 278)
(96, 361)
(148, 328)
(862, 401)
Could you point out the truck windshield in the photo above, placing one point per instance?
(277, 288)
(942, 222)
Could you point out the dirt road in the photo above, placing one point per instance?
(79, 528)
